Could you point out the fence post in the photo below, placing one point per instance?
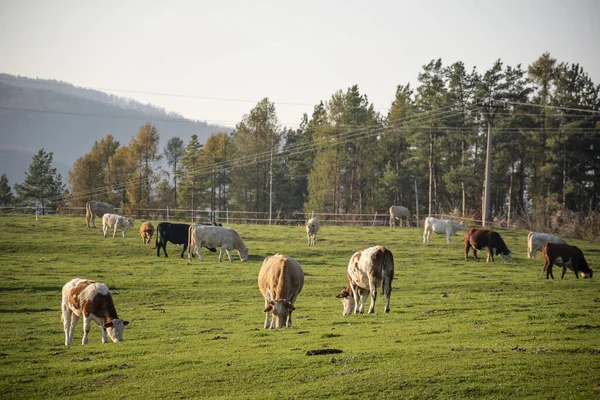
(374, 218)
(167, 213)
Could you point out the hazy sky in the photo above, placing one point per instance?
(294, 52)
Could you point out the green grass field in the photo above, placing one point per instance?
(456, 329)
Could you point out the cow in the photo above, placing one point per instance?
(215, 236)
(146, 231)
(95, 209)
(312, 227)
(94, 301)
(397, 213)
(536, 241)
(117, 222)
(565, 256)
(478, 239)
(280, 280)
(368, 269)
(441, 226)
(174, 233)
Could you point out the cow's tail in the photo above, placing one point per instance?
(88, 213)
(191, 242)
(387, 269)
(158, 234)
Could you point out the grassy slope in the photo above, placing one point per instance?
(196, 329)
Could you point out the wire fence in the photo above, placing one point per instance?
(380, 218)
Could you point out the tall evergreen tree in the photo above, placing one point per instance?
(43, 184)
(174, 153)
(6, 195)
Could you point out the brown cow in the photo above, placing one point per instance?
(479, 238)
(565, 256)
(146, 231)
(280, 280)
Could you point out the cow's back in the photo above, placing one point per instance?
(280, 277)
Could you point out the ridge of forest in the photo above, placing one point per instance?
(66, 120)
(347, 158)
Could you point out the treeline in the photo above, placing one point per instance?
(348, 158)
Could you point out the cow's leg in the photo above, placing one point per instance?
(475, 254)
(387, 292)
(308, 238)
(267, 317)
(548, 268)
(373, 288)
(357, 299)
(115, 231)
(185, 246)
(425, 238)
(66, 319)
(123, 232)
(104, 335)
(74, 319)
(467, 247)
(86, 328)
(105, 230)
(490, 256)
(448, 237)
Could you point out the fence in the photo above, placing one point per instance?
(258, 218)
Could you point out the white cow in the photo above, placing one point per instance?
(536, 241)
(95, 209)
(441, 226)
(215, 236)
(280, 280)
(117, 222)
(397, 213)
(312, 227)
(369, 269)
(94, 301)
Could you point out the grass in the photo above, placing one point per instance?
(456, 329)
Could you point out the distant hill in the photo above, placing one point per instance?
(67, 120)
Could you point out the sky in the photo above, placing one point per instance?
(214, 60)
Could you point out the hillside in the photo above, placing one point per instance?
(66, 120)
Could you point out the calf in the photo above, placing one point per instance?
(441, 226)
(565, 256)
(94, 301)
(369, 269)
(146, 231)
(478, 239)
(348, 298)
(536, 241)
(117, 222)
(280, 280)
(312, 227)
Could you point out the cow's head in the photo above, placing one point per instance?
(130, 221)
(461, 226)
(281, 310)
(243, 254)
(347, 301)
(115, 329)
(586, 273)
(506, 257)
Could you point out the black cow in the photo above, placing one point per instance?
(478, 239)
(174, 233)
(565, 256)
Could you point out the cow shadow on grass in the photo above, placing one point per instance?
(25, 310)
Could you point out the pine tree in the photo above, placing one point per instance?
(6, 196)
(43, 184)
(174, 153)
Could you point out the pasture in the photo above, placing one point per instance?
(456, 329)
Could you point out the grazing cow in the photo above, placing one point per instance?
(312, 227)
(146, 231)
(280, 280)
(478, 239)
(397, 213)
(368, 269)
(174, 233)
(535, 242)
(441, 226)
(565, 256)
(116, 222)
(95, 209)
(215, 236)
(94, 301)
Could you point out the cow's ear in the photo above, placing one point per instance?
(272, 302)
(340, 295)
(268, 308)
(108, 324)
(292, 307)
(125, 322)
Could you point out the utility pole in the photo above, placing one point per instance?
(489, 108)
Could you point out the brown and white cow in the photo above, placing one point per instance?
(116, 222)
(312, 227)
(146, 232)
(94, 301)
(397, 213)
(536, 241)
(95, 209)
(565, 256)
(215, 236)
(280, 280)
(479, 239)
(368, 269)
